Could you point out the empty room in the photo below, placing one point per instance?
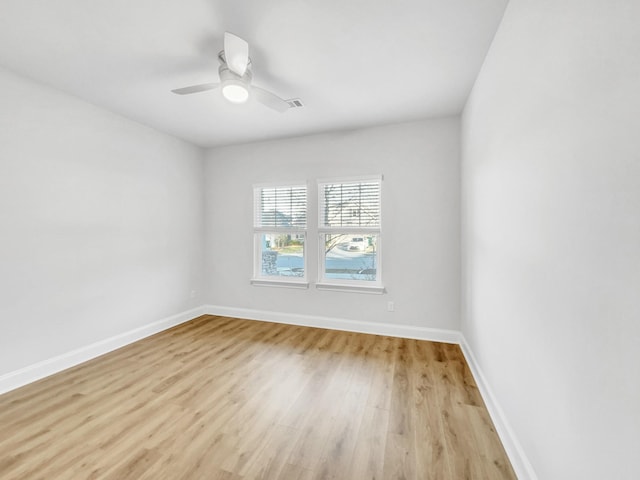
(342, 240)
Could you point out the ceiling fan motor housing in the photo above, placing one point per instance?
(235, 88)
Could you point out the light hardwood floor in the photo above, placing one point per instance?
(221, 398)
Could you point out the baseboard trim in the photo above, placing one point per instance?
(18, 378)
(347, 325)
(519, 461)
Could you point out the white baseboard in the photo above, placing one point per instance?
(37, 371)
(519, 461)
(389, 329)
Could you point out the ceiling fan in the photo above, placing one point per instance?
(235, 77)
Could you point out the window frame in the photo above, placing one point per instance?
(258, 278)
(354, 285)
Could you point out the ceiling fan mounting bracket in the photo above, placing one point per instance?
(226, 74)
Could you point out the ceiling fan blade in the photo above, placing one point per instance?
(236, 53)
(195, 88)
(269, 99)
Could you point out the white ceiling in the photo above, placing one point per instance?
(353, 63)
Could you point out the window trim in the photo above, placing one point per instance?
(262, 282)
(338, 287)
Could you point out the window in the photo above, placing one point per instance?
(280, 231)
(349, 227)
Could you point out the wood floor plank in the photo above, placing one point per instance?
(367, 461)
(228, 399)
(429, 431)
(271, 460)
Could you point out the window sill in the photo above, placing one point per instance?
(341, 287)
(259, 282)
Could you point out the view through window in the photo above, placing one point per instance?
(349, 233)
(280, 222)
(349, 223)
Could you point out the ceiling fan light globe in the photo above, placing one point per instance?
(235, 93)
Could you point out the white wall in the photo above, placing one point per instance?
(101, 224)
(551, 232)
(420, 164)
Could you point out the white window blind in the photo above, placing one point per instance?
(281, 207)
(354, 204)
